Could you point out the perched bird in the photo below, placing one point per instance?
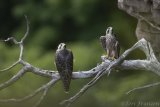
(64, 64)
(110, 44)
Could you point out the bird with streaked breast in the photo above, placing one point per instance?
(110, 44)
(64, 64)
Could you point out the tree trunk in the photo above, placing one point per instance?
(148, 14)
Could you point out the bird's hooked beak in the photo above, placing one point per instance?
(109, 30)
(61, 46)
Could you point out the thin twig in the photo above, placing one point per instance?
(45, 92)
(20, 45)
(43, 87)
(41, 98)
(26, 34)
(10, 67)
(69, 101)
(142, 44)
(151, 64)
(13, 79)
(22, 40)
(11, 39)
(142, 87)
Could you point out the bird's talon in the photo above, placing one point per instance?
(112, 58)
(106, 56)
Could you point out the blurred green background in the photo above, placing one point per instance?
(78, 23)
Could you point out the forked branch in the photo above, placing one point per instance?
(142, 44)
(149, 64)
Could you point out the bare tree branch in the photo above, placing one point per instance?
(41, 98)
(11, 39)
(45, 91)
(42, 88)
(13, 79)
(26, 34)
(136, 12)
(20, 45)
(149, 64)
(10, 67)
(141, 44)
(142, 87)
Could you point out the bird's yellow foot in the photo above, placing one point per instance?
(106, 56)
(111, 58)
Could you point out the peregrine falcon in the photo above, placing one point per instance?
(110, 44)
(64, 64)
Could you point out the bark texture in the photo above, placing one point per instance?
(148, 14)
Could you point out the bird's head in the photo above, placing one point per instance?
(109, 30)
(61, 46)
